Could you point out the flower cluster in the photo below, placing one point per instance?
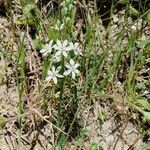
(61, 50)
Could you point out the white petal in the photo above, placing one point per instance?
(65, 43)
(73, 75)
(58, 43)
(77, 71)
(68, 48)
(46, 46)
(43, 50)
(58, 53)
(56, 47)
(75, 52)
(71, 44)
(67, 66)
(76, 44)
(65, 54)
(56, 28)
(71, 62)
(53, 69)
(57, 58)
(67, 72)
(61, 26)
(45, 54)
(76, 65)
(49, 73)
(51, 42)
(80, 52)
(55, 80)
(60, 76)
(58, 69)
(48, 78)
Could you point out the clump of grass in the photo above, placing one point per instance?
(77, 72)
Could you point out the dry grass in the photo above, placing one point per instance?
(104, 107)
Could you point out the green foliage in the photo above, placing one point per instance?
(144, 103)
(133, 11)
(124, 1)
(3, 121)
(148, 18)
(99, 77)
(94, 146)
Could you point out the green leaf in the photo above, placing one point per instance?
(3, 121)
(144, 103)
(148, 18)
(146, 115)
(27, 10)
(124, 2)
(133, 11)
(144, 43)
(94, 146)
(1, 78)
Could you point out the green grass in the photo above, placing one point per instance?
(109, 57)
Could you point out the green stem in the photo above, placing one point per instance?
(74, 102)
(61, 93)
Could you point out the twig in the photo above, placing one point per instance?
(120, 134)
(39, 114)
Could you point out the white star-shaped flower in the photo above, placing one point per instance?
(47, 49)
(62, 48)
(75, 48)
(72, 69)
(53, 74)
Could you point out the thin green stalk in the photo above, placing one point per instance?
(74, 111)
(75, 100)
(61, 93)
(21, 83)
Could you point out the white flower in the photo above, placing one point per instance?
(72, 69)
(47, 49)
(62, 48)
(75, 48)
(54, 74)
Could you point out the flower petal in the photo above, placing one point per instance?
(43, 50)
(65, 54)
(76, 65)
(58, 53)
(65, 43)
(51, 42)
(67, 72)
(49, 73)
(55, 80)
(77, 71)
(73, 75)
(56, 47)
(71, 62)
(58, 69)
(48, 78)
(60, 76)
(53, 69)
(59, 43)
(67, 66)
(76, 44)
